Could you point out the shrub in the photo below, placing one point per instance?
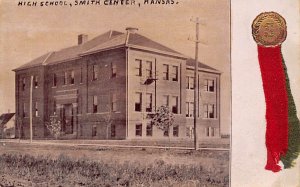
(54, 126)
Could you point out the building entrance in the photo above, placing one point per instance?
(67, 119)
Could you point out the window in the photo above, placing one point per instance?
(176, 131)
(72, 79)
(23, 84)
(114, 102)
(166, 100)
(190, 82)
(95, 72)
(94, 130)
(175, 104)
(113, 70)
(34, 131)
(209, 111)
(189, 109)
(166, 132)
(166, 72)
(95, 104)
(210, 132)
(81, 75)
(138, 102)
(174, 73)
(36, 81)
(149, 129)
(138, 67)
(149, 102)
(24, 110)
(138, 129)
(190, 132)
(79, 107)
(80, 130)
(54, 107)
(36, 110)
(209, 85)
(113, 131)
(65, 78)
(54, 80)
(148, 69)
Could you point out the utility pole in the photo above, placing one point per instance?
(196, 84)
(30, 108)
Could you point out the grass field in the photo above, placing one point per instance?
(55, 165)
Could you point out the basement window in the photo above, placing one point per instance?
(138, 129)
(166, 132)
(94, 130)
(113, 131)
(149, 129)
(175, 131)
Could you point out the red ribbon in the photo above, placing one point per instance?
(274, 84)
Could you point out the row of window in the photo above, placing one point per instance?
(113, 103)
(169, 72)
(95, 133)
(208, 110)
(113, 71)
(209, 84)
(208, 132)
(69, 76)
(149, 130)
(35, 82)
(138, 100)
(35, 110)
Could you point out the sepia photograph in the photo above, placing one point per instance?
(115, 93)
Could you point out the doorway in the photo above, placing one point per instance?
(67, 116)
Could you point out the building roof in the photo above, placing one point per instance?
(106, 41)
(4, 118)
(191, 62)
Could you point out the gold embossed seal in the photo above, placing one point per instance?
(269, 29)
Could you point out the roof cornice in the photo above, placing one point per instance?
(204, 69)
(156, 51)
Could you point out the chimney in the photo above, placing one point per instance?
(132, 30)
(82, 38)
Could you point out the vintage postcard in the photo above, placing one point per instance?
(136, 93)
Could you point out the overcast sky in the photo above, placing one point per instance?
(28, 32)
